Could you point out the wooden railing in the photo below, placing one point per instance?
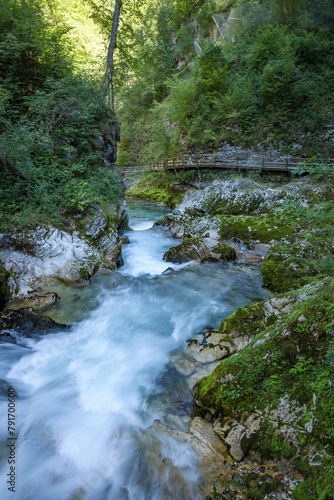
(133, 170)
(216, 161)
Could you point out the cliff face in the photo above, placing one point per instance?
(91, 243)
(110, 130)
(4, 286)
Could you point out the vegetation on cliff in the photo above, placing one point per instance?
(270, 81)
(56, 130)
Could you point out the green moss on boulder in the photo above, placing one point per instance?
(249, 228)
(291, 265)
(201, 250)
(245, 320)
(285, 377)
(225, 251)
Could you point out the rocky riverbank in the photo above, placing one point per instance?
(265, 413)
(89, 243)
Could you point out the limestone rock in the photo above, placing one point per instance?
(123, 217)
(207, 353)
(35, 300)
(239, 440)
(96, 226)
(51, 252)
(207, 444)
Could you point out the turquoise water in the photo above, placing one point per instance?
(88, 396)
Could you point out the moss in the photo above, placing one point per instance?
(84, 274)
(247, 320)
(260, 485)
(319, 478)
(288, 358)
(263, 228)
(290, 266)
(157, 186)
(226, 252)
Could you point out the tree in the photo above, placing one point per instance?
(112, 45)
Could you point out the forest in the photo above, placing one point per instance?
(156, 350)
(268, 81)
(180, 84)
(54, 121)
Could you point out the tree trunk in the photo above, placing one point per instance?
(112, 44)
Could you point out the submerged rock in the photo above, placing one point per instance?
(35, 300)
(28, 323)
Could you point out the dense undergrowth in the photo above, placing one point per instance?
(54, 124)
(271, 81)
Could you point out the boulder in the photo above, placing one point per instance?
(71, 257)
(35, 300)
(201, 250)
(236, 436)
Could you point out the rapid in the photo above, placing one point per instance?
(88, 395)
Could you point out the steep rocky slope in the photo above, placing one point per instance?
(270, 398)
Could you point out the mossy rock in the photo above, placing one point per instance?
(260, 485)
(248, 320)
(189, 249)
(5, 293)
(318, 478)
(263, 228)
(199, 249)
(157, 186)
(290, 266)
(287, 360)
(225, 251)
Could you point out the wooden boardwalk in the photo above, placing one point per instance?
(133, 170)
(216, 161)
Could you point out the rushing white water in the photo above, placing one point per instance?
(88, 396)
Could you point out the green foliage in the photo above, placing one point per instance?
(52, 123)
(157, 186)
(317, 171)
(274, 83)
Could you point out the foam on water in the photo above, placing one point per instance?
(87, 397)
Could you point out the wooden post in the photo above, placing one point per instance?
(262, 163)
(287, 163)
(238, 166)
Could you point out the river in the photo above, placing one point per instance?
(87, 397)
